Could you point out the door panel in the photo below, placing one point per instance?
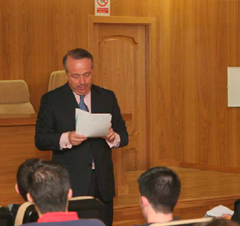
(120, 65)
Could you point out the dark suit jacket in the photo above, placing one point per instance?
(57, 115)
(81, 222)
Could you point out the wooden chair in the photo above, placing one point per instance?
(26, 213)
(85, 206)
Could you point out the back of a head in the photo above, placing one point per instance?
(49, 186)
(23, 173)
(218, 222)
(161, 186)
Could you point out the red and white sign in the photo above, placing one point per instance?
(102, 7)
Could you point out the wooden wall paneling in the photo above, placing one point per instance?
(5, 37)
(17, 145)
(195, 42)
(34, 37)
(205, 129)
(232, 59)
(222, 110)
(190, 86)
(212, 10)
(177, 77)
(160, 100)
(1, 39)
(151, 73)
(203, 82)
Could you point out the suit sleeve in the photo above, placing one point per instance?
(46, 137)
(118, 123)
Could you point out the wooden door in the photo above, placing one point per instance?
(120, 64)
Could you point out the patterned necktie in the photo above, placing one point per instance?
(82, 105)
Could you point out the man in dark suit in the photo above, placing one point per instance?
(49, 190)
(88, 160)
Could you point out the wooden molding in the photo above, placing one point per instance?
(17, 120)
(174, 163)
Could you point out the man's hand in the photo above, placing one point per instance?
(110, 136)
(226, 216)
(76, 139)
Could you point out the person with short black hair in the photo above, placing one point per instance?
(23, 172)
(218, 222)
(22, 185)
(159, 189)
(49, 189)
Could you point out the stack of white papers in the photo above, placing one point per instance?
(218, 211)
(92, 125)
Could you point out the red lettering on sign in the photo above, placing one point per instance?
(102, 10)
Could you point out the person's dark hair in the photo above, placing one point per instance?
(77, 54)
(218, 222)
(23, 173)
(49, 186)
(161, 186)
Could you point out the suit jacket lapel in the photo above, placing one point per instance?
(69, 104)
(96, 100)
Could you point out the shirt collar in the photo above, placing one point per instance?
(58, 216)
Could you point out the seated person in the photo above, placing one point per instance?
(236, 215)
(21, 187)
(159, 189)
(218, 222)
(49, 189)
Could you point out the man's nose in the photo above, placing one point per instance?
(81, 80)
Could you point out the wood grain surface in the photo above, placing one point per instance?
(196, 40)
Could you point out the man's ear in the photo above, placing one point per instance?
(29, 198)
(144, 201)
(16, 188)
(70, 193)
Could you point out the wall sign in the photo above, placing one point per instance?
(233, 86)
(102, 7)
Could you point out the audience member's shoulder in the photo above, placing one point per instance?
(80, 222)
(92, 222)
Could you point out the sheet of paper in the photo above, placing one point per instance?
(92, 125)
(218, 211)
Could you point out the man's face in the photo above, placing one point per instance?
(79, 75)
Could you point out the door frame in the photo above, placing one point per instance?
(151, 88)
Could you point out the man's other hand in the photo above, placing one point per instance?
(110, 136)
(76, 139)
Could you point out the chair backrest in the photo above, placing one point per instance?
(5, 217)
(189, 222)
(87, 207)
(14, 97)
(57, 79)
(26, 213)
